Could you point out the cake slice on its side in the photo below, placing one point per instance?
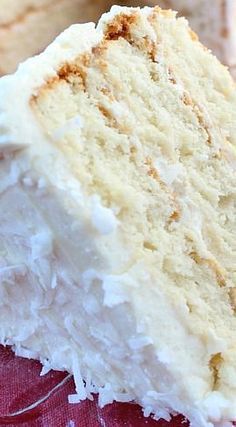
(28, 26)
(117, 215)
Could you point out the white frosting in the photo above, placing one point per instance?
(115, 292)
(19, 128)
(140, 342)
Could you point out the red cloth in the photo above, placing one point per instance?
(21, 385)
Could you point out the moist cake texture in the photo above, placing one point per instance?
(117, 215)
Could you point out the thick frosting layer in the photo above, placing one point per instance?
(20, 129)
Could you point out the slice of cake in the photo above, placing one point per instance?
(27, 27)
(215, 25)
(117, 215)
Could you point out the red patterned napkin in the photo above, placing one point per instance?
(22, 386)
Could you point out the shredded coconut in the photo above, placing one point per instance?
(74, 399)
(42, 244)
(106, 395)
(79, 384)
(103, 219)
(11, 178)
(115, 289)
(139, 342)
(168, 172)
(71, 125)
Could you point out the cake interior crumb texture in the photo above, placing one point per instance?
(117, 215)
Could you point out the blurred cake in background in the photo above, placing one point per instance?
(28, 26)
